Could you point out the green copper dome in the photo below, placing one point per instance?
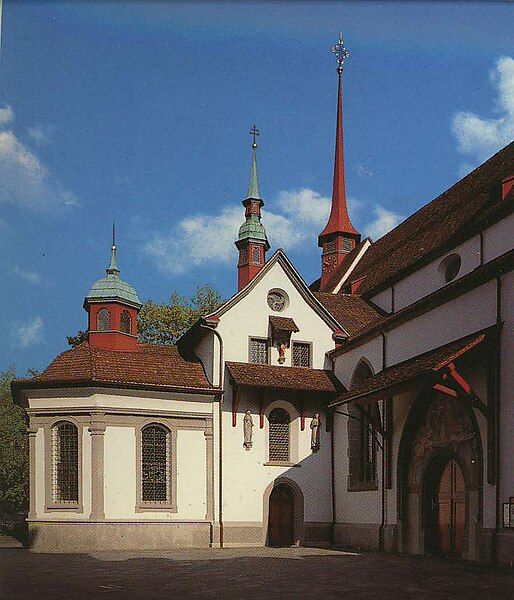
(252, 228)
(112, 287)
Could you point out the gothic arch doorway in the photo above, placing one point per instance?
(445, 507)
(440, 479)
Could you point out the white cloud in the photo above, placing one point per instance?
(40, 134)
(385, 220)
(29, 333)
(25, 181)
(478, 137)
(365, 171)
(6, 114)
(296, 218)
(28, 276)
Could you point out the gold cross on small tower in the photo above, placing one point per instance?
(254, 132)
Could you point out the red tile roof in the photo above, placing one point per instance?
(283, 324)
(285, 378)
(414, 367)
(436, 225)
(149, 366)
(350, 311)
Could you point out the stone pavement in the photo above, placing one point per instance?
(246, 573)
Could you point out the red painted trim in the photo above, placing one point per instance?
(445, 390)
(261, 414)
(459, 379)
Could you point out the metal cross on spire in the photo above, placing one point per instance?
(254, 132)
(340, 52)
(113, 235)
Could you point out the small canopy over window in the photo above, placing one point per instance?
(126, 322)
(103, 320)
(279, 435)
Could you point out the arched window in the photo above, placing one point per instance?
(362, 446)
(155, 464)
(279, 435)
(126, 322)
(256, 255)
(103, 320)
(65, 463)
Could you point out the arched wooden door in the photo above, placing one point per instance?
(281, 516)
(451, 504)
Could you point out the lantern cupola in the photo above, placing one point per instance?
(252, 241)
(112, 306)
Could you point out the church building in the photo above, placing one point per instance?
(369, 410)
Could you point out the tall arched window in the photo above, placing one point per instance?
(65, 463)
(103, 320)
(155, 464)
(279, 435)
(362, 445)
(126, 322)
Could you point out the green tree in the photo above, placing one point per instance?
(165, 323)
(13, 450)
(76, 340)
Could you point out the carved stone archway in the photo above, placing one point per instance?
(438, 427)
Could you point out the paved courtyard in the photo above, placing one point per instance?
(246, 573)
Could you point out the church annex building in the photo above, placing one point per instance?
(371, 410)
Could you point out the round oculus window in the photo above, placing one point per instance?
(450, 267)
(277, 300)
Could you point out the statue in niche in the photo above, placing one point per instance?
(247, 429)
(282, 347)
(315, 425)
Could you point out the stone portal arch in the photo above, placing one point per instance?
(439, 428)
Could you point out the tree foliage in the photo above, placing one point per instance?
(76, 340)
(165, 323)
(13, 450)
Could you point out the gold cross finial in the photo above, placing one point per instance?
(254, 132)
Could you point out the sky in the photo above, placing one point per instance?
(140, 112)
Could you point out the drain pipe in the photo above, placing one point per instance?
(385, 442)
(497, 416)
(220, 430)
(332, 466)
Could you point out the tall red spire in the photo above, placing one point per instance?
(339, 236)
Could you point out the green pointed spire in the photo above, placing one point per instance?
(253, 186)
(113, 269)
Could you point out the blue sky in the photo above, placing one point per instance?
(141, 112)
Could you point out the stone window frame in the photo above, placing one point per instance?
(305, 343)
(149, 506)
(356, 482)
(50, 503)
(293, 434)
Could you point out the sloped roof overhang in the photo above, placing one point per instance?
(426, 367)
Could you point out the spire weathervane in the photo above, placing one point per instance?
(254, 132)
(340, 52)
(113, 235)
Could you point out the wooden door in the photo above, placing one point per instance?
(451, 510)
(281, 517)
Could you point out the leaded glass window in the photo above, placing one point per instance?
(125, 322)
(103, 320)
(65, 463)
(367, 445)
(155, 464)
(279, 435)
(259, 351)
(301, 354)
(256, 255)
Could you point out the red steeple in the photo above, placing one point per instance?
(339, 236)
